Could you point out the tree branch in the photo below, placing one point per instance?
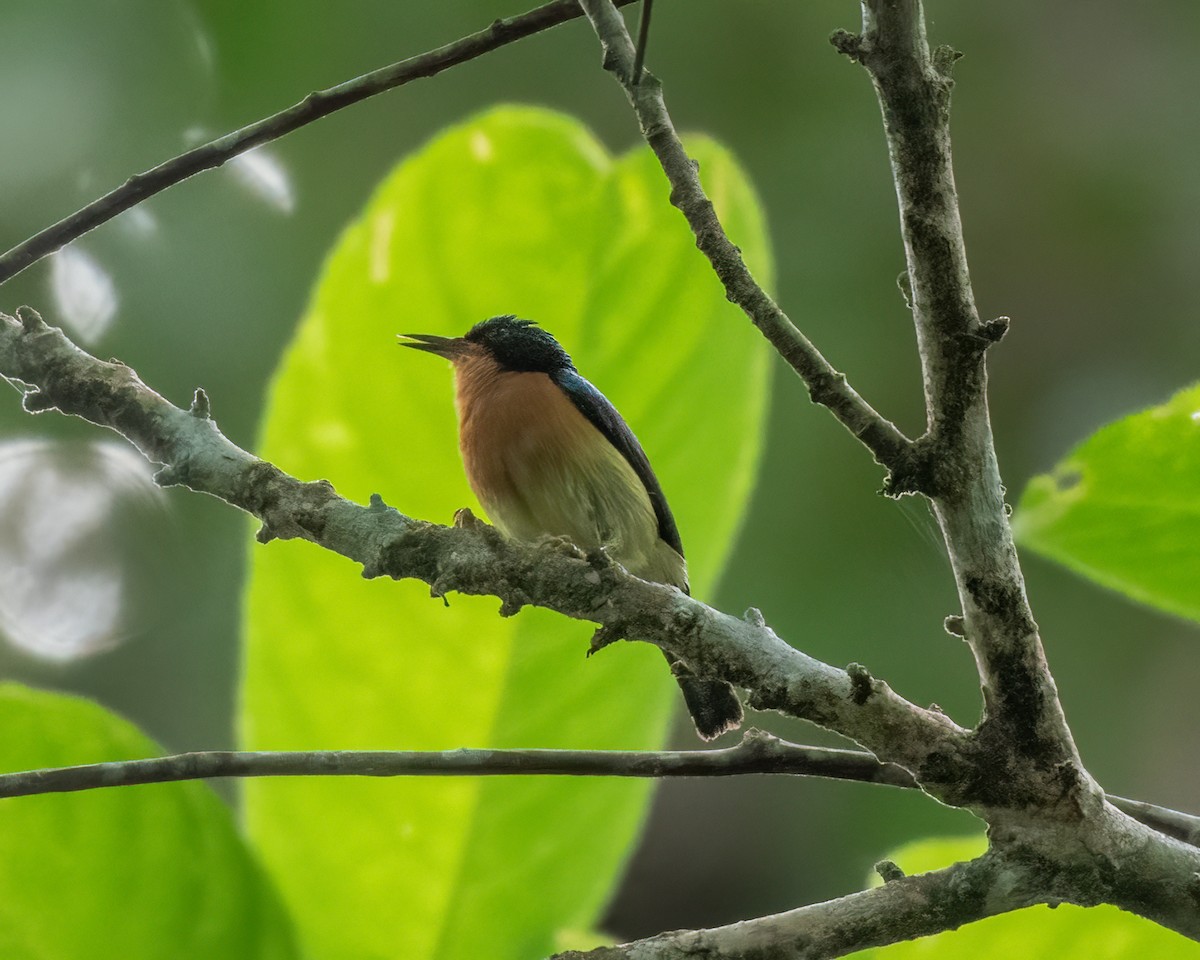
(756, 753)
(313, 107)
(1043, 808)
(1173, 823)
(956, 466)
(826, 385)
(1054, 837)
(473, 558)
(904, 908)
(1024, 730)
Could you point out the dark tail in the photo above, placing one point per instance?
(713, 705)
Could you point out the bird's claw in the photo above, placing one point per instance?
(464, 519)
(562, 545)
(599, 558)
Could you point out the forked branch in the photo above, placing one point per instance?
(1055, 837)
(825, 384)
(1043, 807)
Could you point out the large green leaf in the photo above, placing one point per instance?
(136, 873)
(1064, 933)
(1124, 507)
(517, 211)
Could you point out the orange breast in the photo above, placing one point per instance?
(539, 467)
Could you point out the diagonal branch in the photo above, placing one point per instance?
(313, 107)
(903, 908)
(825, 384)
(955, 463)
(473, 558)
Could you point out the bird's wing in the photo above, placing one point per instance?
(604, 417)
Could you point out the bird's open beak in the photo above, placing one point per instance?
(449, 347)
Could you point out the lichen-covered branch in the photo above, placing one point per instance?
(316, 105)
(825, 384)
(1054, 835)
(471, 557)
(956, 466)
(903, 908)
(1049, 820)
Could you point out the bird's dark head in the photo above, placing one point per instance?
(512, 344)
(519, 345)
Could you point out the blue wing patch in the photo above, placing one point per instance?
(604, 417)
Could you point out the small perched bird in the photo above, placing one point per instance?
(548, 455)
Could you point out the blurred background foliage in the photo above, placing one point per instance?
(1075, 149)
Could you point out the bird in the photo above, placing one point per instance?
(548, 455)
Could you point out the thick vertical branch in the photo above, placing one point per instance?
(958, 467)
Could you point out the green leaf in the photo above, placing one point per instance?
(136, 873)
(1064, 933)
(1124, 507)
(516, 211)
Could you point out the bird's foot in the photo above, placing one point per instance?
(561, 545)
(599, 558)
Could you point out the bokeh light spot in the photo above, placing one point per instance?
(62, 580)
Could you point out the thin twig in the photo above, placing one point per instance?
(825, 384)
(757, 753)
(639, 58)
(313, 107)
(1173, 823)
